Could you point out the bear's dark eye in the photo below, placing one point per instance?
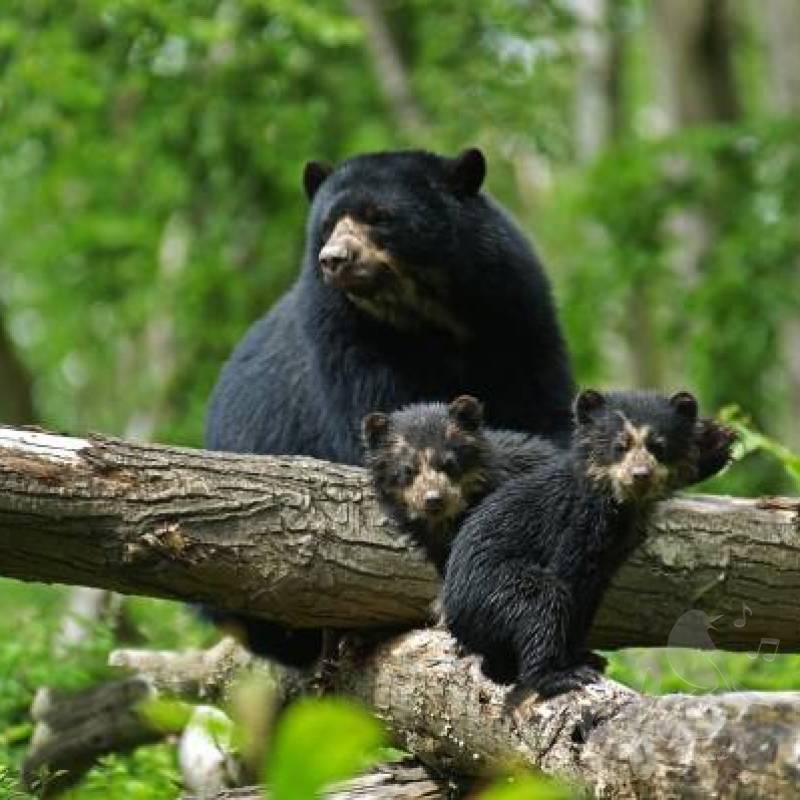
(619, 448)
(403, 474)
(449, 465)
(657, 446)
(374, 215)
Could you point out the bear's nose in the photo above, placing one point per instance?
(333, 256)
(433, 501)
(641, 473)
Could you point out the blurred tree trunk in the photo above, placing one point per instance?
(696, 54)
(599, 121)
(780, 26)
(695, 76)
(390, 71)
(16, 396)
(598, 87)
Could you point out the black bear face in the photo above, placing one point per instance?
(427, 460)
(640, 445)
(383, 228)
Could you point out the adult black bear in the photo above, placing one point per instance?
(414, 286)
(529, 565)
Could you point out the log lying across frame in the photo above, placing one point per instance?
(303, 542)
(617, 742)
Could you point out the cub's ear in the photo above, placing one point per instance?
(587, 404)
(374, 428)
(466, 172)
(467, 412)
(314, 174)
(685, 404)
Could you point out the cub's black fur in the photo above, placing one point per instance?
(531, 562)
(415, 286)
(432, 462)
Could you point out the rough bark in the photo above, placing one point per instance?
(620, 744)
(303, 542)
(73, 731)
(607, 737)
(190, 674)
(406, 780)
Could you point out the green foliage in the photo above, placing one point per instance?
(751, 441)
(529, 787)
(149, 773)
(150, 162)
(716, 329)
(169, 716)
(319, 742)
(672, 670)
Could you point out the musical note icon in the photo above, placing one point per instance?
(746, 611)
(770, 652)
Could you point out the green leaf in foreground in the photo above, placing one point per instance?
(168, 716)
(319, 742)
(528, 787)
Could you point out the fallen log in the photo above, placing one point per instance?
(606, 737)
(73, 730)
(406, 780)
(304, 543)
(616, 742)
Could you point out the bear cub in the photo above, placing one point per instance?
(531, 562)
(432, 462)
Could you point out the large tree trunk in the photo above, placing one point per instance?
(694, 39)
(303, 542)
(780, 24)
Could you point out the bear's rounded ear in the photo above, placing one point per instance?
(685, 404)
(314, 175)
(467, 412)
(587, 404)
(466, 172)
(374, 428)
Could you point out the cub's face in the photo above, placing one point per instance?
(640, 445)
(427, 460)
(382, 225)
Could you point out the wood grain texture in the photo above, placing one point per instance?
(303, 542)
(607, 738)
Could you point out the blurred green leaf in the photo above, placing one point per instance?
(529, 787)
(169, 716)
(319, 742)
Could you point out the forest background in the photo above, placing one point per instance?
(151, 208)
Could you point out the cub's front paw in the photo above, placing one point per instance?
(594, 660)
(566, 680)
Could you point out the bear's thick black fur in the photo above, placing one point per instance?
(432, 462)
(530, 564)
(414, 286)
